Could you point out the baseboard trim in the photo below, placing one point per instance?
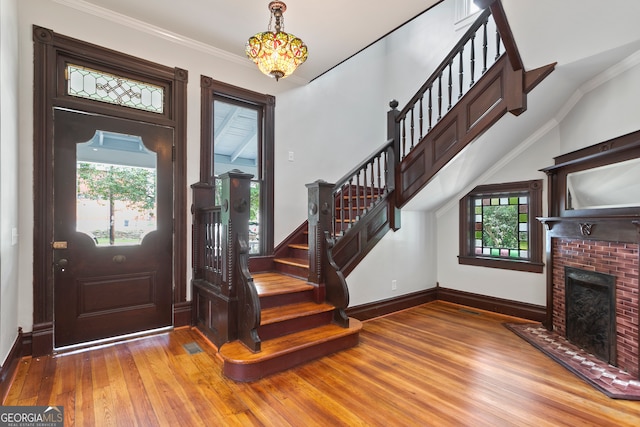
(182, 314)
(391, 305)
(522, 310)
(42, 339)
(497, 305)
(10, 366)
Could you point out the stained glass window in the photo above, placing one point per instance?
(501, 226)
(101, 86)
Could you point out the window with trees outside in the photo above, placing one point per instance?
(498, 226)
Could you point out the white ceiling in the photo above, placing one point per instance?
(333, 30)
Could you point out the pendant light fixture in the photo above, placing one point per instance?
(276, 53)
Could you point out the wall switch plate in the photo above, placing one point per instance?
(291, 156)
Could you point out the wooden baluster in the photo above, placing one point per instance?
(358, 192)
(411, 130)
(365, 183)
(473, 60)
(386, 171)
(497, 45)
(430, 110)
(421, 120)
(350, 204)
(342, 222)
(379, 177)
(461, 73)
(450, 85)
(485, 43)
(404, 138)
(439, 96)
(373, 183)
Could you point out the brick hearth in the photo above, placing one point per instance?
(617, 259)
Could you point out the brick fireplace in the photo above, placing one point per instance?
(594, 226)
(617, 259)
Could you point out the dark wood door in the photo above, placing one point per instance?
(113, 227)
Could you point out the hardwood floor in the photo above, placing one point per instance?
(435, 365)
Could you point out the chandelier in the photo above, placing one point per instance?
(276, 53)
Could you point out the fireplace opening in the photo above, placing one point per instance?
(591, 312)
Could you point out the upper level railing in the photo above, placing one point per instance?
(470, 58)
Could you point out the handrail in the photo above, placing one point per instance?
(410, 137)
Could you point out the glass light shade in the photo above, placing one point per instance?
(277, 54)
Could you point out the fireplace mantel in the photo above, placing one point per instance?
(605, 239)
(613, 228)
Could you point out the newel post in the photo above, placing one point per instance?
(235, 197)
(393, 162)
(320, 204)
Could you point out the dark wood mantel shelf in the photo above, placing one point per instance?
(615, 228)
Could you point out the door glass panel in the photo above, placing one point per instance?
(236, 141)
(115, 189)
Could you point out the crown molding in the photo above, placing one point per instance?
(162, 33)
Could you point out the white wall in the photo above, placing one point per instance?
(335, 121)
(607, 111)
(329, 124)
(9, 142)
(102, 28)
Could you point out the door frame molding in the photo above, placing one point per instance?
(51, 52)
(211, 90)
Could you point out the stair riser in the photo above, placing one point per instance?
(292, 270)
(254, 371)
(278, 329)
(298, 253)
(285, 299)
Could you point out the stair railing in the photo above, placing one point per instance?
(469, 59)
(226, 304)
(336, 211)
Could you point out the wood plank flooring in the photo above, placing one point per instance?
(433, 365)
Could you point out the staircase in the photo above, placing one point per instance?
(292, 308)
(296, 325)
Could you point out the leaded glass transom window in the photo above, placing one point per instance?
(501, 226)
(101, 86)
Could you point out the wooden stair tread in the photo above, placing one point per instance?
(237, 353)
(292, 311)
(268, 284)
(299, 246)
(297, 262)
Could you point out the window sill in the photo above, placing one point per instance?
(505, 264)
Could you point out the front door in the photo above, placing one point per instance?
(113, 227)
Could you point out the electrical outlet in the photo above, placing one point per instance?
(394, 285)
(291, 156)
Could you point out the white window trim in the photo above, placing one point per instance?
(463, 15)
